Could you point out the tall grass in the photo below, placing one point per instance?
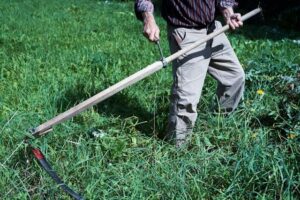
(55, 54)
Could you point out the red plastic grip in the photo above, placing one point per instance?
(38, 154)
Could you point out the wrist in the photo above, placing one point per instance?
(147, 16)
(227, 12)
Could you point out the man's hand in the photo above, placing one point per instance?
(234, 20)
(151, 30)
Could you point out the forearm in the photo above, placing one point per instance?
(227, 12)
(231, 18)
(143, 8)
(147, 17)
(226, 7)
(144, 11)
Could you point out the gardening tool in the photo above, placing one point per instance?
(147, 71)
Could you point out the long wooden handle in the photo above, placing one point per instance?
(147, 71)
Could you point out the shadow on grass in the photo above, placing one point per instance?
(119, 105)
(125, 106)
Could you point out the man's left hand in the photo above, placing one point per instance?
(234, 20)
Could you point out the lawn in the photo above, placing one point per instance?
(55, 54)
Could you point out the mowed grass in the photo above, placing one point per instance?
(55, 54)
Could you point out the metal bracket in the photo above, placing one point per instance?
(36, 133)
(164, 62)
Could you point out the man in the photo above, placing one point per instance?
(189, 21)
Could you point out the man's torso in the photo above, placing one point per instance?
(189, 13)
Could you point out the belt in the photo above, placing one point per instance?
(210, 27)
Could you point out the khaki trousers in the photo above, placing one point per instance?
(189, 71)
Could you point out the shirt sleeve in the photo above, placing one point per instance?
(141, 6)
(227, 3)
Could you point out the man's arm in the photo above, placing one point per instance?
(144, 10)
(234, 20)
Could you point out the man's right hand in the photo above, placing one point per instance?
(151, 30)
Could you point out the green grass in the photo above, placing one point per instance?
(55, 54)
